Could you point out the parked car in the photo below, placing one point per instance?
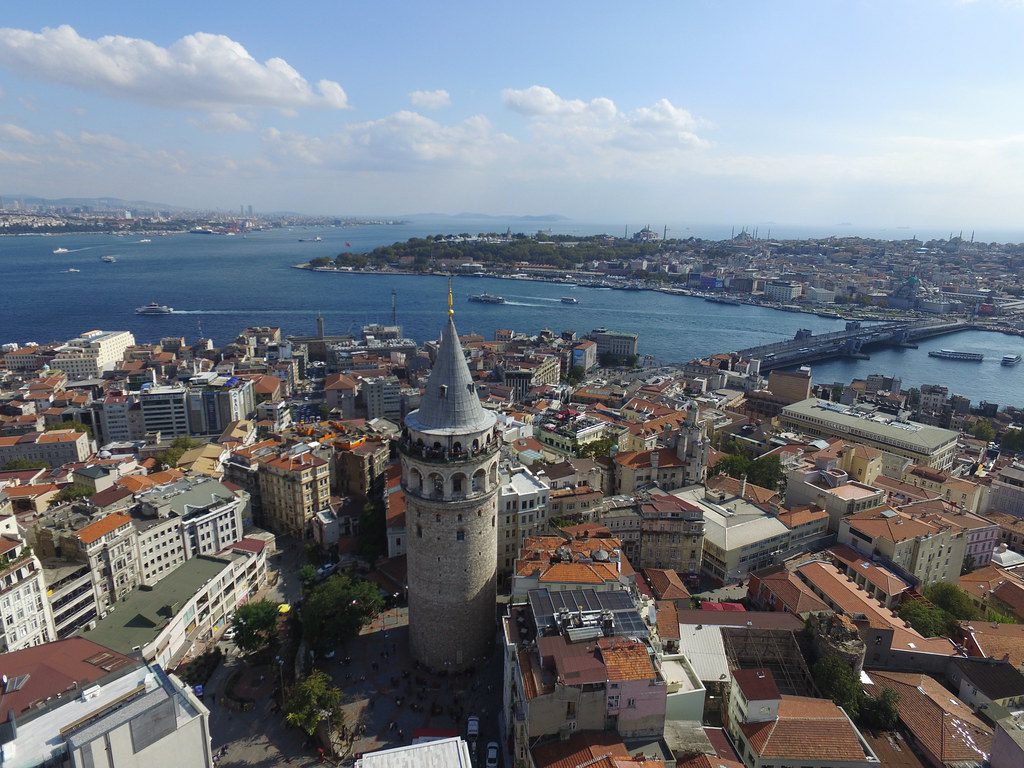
(492, 755)
(472, 726)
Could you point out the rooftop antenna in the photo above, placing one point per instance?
(451, 308)
(664, 233)
(394, 307)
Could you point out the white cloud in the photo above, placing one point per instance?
(12, 132)
(201, 70)
(224, 122)
(430, 99)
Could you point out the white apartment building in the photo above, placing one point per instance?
(522, 512)
(781, 291)
(382, 396)
(57, 447)
(92, 353)
(25, 618)
(176, 522)
(165, 410)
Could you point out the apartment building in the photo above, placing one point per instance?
(927, 546)
(165, 410)
(831, 488)
(382, 397)
(57, 447)
(215, 401)
(360, 464)
(71, 596)
(671, 535)
(615, 344)
(1006, 493)
(294, 487)
(25, 617)
(92, 353)
(956, 490)
(522, 512)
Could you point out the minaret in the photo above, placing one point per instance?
(449, 452)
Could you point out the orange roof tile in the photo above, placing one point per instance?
(99, 529)
(805, 729)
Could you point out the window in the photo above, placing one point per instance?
(460, 535)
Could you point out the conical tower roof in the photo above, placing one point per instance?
(450, 405)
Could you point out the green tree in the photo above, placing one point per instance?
(72, 492)
(1012, 441)
(836, 680)
(999, 618)
(983, 430)
(952, 599)
(17, 464)
(575, 375)
(881, 713)
(307, 575)
(75, 425)
(255, 625)
(334, 611)
(927, 619)
(373, 531)
(766, 472)
(313, 700)
(597, 448)
(170, 456)
(732, 465)
(320, 261)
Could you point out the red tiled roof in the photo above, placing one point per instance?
(99, 529)
(756, 684)
(666, 584)
(805, 729)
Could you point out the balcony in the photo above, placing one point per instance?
(421, 452)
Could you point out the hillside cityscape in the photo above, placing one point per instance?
(591, 385)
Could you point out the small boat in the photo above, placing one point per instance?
(61, 250)
(316, 239)
(1011, 359)
(487, 298)
(145, 240)
(72, 269)
(154, 309)
(952, 354)
(569, 300)
(108, 259)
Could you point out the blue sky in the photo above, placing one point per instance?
(888, 113)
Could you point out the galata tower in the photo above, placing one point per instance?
(449, 451)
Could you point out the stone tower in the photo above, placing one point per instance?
(449, 452)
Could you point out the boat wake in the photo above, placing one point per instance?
(521, 304)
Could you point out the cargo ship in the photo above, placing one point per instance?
(952, 354)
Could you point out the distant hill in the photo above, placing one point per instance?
(96, 203)
(488, 216)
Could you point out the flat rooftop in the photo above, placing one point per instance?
(138, 620)
(882, 427)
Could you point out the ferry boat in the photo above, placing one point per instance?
(487, 298)
(108, 259)
(316, 239)
(61, 250)
(154, 309)
(72, 269)
(952, 354)
(569, 300)
(1011, 359)
(145, 240)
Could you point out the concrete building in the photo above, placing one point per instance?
(215, 401)
(176, 522)
(963, 493)
(25, 617)
(781, 291)
(671, 535)
(71, 596)
(165, 410)
(77, 703)
(739, 536)
(584, 355)
(1006, 493)
(294, 487)
(790, 386)
(451, 752)
(120, 419)
(191, 605)
(449, 452)
(360, 465)
(92, 353)
(1008, 742)
(926, 546)
(614, 344)
(522, 512)
(826, 485)
(57, 447)
(382, 397)
(899, 439)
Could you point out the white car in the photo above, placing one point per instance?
(229, 634)
(472, 726)
(492, 755)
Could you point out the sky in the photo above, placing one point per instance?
(877, 113)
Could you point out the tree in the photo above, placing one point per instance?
(1012, 441)
(17, 464)
(602, 447)
(334, 611)
(732, 465)
(575, 375)
(881, 713)
(312, 700)
(983, 430)
(307, 575)
(929, 620)
(255, 625)
(170, 456)
(766, 472)
(72, 492)
(75, 425)
(835, 679)
(952, 599)
(373, 531)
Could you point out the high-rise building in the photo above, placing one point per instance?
(449, 452)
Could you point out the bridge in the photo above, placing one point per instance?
(807, 348)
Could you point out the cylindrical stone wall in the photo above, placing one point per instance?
(452, 560)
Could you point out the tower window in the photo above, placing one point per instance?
(460, 535)
(460, 517)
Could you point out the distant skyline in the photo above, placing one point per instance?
(871, 112)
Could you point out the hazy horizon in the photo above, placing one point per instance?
(879, 114)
